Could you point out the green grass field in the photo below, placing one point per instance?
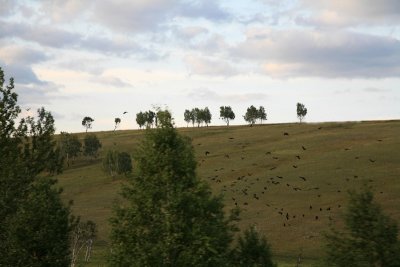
(260, 169)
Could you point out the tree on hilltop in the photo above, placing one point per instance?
(251, 115)
(226, 113)
(87, 122)
(262, 115)
(117, 121)
(301, 111)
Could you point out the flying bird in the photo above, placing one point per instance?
(125, 112)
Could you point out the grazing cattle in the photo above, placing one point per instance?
(285, 133)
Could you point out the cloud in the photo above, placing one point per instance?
(209, 67)
(151, 15)
(202, 94)
(110, 81)
(6, 7)
(190, 32)
(294, 53)
(341, 13)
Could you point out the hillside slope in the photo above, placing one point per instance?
(292, 186)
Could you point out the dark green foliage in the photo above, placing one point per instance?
(87, 122)
(145, 118)
(226, 113)
(92, 145)
(252, 250)
(117, 122)
(70, 146)
(170, 217)
(187, 116)
(369, 238)
(117, 163)
(262, 115)
(251, 115)
(140, 119)
(82, 237)
(163, 118)
(124, 163)
(38, 233)
(110, 163)
(301, 111)
(33, 221)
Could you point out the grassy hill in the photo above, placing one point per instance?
(292, 186)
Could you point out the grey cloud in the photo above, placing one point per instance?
(344, 13)
(202, 94)
(58, 38)
(151, 15)
(110, 81)
(188, 33)
(288, 53)
(209, 67)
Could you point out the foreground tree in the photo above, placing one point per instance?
(87, 122)
(370, 238)
(252, 250)
(301, 111)
(226, 113)
(38, 233)
(33, 220)
(170, 217)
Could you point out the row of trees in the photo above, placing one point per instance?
(71, 147)
(200, 116)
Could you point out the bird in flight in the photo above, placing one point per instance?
(125, 112)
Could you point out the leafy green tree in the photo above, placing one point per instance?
(170, 217)
(70, 146)
(187, 116)
(207, 116)
(140, 119)
(198, 116)
(163, 117)
(251, 115)
(110, 162)
(33, 220)
(92, 145)
(149, 116)
(82, 236)
(370, 238)
(124, 163)
(301, 111)
(226, 113)
(252, 250)
(117, 122)
(262, 115)
(87, 122)
(38, 233)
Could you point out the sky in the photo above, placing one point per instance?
(79, 58)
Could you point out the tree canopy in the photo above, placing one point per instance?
(34, 224)
(370, 238)
(301, 111)
(87, 122)
(171, 217)
(226, 113)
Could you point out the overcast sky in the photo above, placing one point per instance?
(78, 58)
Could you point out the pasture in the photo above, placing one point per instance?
(292, 186)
